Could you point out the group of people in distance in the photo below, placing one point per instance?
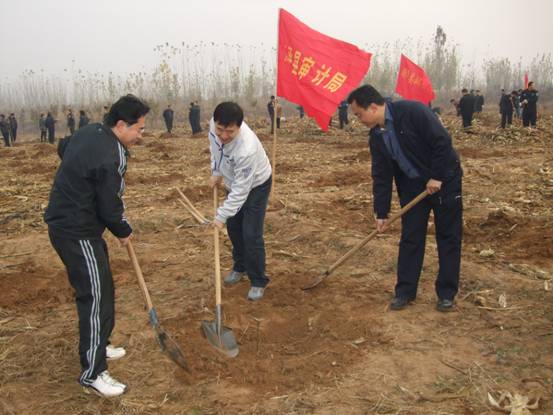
(521, 104)
(8, 129)
(194, 116)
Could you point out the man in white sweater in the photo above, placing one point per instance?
(238, 159)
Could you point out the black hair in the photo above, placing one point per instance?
(128, 108)
(228, 113)
(272, 97)
(366, 95)
(81, 112)
(531, 83)
(42, 114)
(464, 90)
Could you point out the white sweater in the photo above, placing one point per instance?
(243, 164)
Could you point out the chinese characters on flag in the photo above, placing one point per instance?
(315, 70)
(412, 82)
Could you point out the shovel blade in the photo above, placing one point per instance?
(225, 342)
(315, 281)
(170, 347)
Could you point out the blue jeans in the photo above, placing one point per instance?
(245, 230)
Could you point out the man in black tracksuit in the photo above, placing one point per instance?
(529, 102)
(86, 198)
(410, 145)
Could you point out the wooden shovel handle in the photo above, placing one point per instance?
(192, 213)
(216, 249)
(370, 236)
(139, 275)
(191, 208)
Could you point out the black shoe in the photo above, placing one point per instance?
(444, 305)
(399, 303)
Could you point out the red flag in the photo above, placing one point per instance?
(315, 70)
(525, 80)
(412, 82)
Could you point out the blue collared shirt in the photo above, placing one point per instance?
(391, 142)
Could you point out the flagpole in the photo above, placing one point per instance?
(273, 155)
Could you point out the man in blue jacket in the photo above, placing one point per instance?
(86, 198)
(410, 146)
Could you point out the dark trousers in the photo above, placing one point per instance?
(195, 125)
(245, 231)
(51, 135)
(42, 136)
(13, 133)
(7, 141)
(447, 206)
(467, 120)
(87, 265)
(169, 125)
(273, 124)
(343, 121)
(529, 118)
(506, 118)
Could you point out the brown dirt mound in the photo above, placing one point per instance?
(42, 168)
(44, 149)
(289, 168)
(284, 349)
(518, 237)
(132, 179)
(360, 156)
(31, 287)
(342, 178)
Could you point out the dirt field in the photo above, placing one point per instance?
(334, 350)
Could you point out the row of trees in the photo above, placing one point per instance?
(210, 71)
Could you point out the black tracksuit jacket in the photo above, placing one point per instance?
(86, 196)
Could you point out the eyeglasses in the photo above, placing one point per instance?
(141, 129)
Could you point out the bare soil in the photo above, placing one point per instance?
(337, 349)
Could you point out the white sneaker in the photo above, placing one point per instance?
(234, 277)
(108, 387)
(114, 353)
(256, 293)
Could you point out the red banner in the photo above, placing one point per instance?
(315, 70)
(412, 82)
(526, 80)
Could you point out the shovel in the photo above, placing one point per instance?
(221, 337)
(361, 244)
(167, 344)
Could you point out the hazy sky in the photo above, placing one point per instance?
(119, 35)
